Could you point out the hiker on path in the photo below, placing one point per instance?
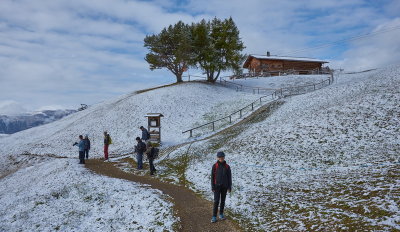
(221, 183)
(107, 142)
(87, 146)
(145, 134)
(151, 154)
(140, 148)
(81, 146)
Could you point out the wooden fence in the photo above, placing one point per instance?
(270, 98)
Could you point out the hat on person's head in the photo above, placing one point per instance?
(137, 138)
(220, 154)
(141, 127)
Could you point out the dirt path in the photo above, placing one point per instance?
(193, 211)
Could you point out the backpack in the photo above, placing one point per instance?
(148, 135)
(109, 139)
(141, 147)
(215, 171)
(155, 152)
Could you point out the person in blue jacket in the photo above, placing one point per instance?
(145, 134)
(81, 146)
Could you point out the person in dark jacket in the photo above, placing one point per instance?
(221, 183)
(145, 134)
(150, 152)
(87, 146)
(140, 149)
(81, 146)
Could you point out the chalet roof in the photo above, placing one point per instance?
(287, 58)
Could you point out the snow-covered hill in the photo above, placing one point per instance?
(43, 193)
(182, 105)
(326, 160)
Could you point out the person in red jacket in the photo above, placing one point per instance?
(221, 183)
(107, 142)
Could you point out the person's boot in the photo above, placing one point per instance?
(222, 217)
(213, 219)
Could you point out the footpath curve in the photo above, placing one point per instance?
(194, 212)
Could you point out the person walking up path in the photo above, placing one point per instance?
(81, 146)
(140, 149)
(145, 134)
(221, 183)
(87, 146)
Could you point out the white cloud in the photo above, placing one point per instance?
(60, 52)
(374, 52)
(10, 107)
(51, 107)
(69, 52)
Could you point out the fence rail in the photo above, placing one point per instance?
(276, 95)
(281, 72)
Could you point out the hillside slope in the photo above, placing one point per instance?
(182, 105)
(326, 160)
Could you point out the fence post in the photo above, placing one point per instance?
(254, 92)
(230, 118)
(190, 133)
(258, 90)
(252, 106)
(314, 86)
(213, 126)
(260, 101)
(240, 113)
(189, 78)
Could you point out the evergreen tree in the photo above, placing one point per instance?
(171, 49)
(217, 47)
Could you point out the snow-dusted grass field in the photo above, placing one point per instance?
(60, 195)
(326, 160)
(43, 193)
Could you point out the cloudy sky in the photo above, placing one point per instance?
(60, 53)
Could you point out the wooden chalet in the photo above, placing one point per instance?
(268, 65)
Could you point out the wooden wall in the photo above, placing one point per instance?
(258, 65)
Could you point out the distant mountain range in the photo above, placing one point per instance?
(13, 124)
